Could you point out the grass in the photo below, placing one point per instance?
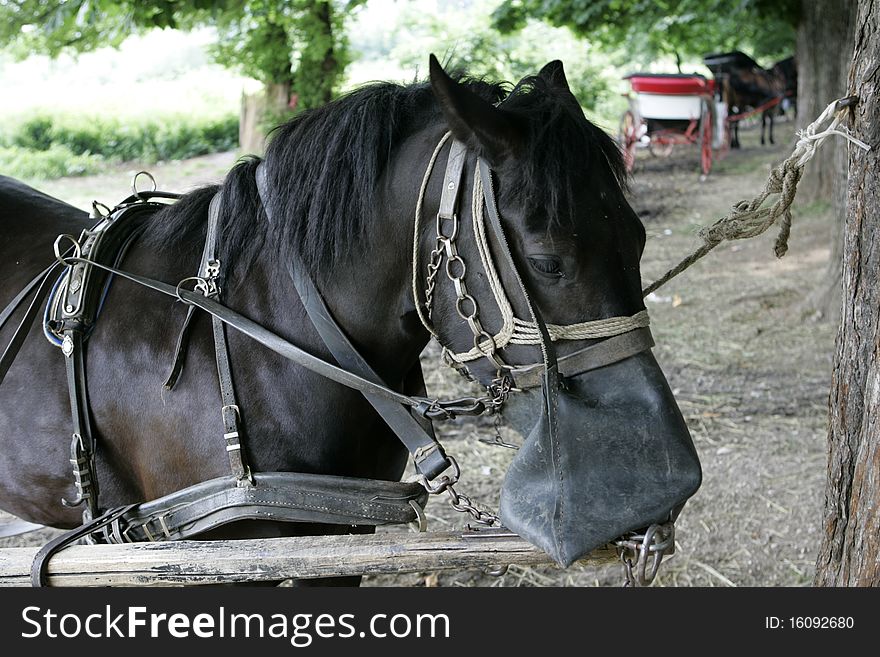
(56, 161)
(45, 146)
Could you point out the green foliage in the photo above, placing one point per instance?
(53, 162)
(298, 43)
(466, 41)
(322, 54)
(60, 146)
(649, 29)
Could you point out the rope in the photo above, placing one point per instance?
(417, 229)
(750, 218)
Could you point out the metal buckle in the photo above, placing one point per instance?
(234, 407)
(441, 482)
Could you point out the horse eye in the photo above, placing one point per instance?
(547, 265)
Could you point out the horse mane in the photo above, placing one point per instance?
(324, 167)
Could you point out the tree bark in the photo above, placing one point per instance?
(319, 65)
(826, 29)
(257, 111)
(850, 550)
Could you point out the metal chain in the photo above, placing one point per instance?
(635, 548)
(463, 504)
(433, 266)
(465, 304)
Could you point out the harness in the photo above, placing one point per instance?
(91, 261)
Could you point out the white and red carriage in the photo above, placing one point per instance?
(673, 109)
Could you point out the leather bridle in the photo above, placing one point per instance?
(621, 337)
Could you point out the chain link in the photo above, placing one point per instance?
(465, 304)
(463, 504)
(434, 263)
(635, 548)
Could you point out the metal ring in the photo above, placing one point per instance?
(96, 205)
(421, 524)
(461, 313)
(479, 346)
(448, 238)
(134, 188)
(199, 281)
(456, 259)
(77, 249)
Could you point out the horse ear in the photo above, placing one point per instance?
(495, 133)
(555, 75)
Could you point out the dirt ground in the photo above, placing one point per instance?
(749, 366)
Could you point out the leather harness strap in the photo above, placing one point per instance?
(230, 411)
(82, 443)
(279, 496)
(210, 284)
(607, 352)
(428, 455)
(40, 564)
(42, 282)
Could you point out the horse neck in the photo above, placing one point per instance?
(367, 294)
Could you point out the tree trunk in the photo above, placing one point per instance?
(850, 550)
(826, 28)
(262, 111)
(824, 49)
(321, 56)
(259, 112)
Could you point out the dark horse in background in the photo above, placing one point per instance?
(344, 181)
(746, 86)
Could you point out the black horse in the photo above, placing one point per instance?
(746, 86)
(344, 181)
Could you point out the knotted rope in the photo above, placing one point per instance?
(750, 218)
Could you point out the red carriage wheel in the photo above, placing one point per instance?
(628, 138)
(660, 146)
(706, 140)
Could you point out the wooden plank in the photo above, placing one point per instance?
(254, 560)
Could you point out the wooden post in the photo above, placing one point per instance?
(256, 560)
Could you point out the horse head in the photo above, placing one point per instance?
(606, 449)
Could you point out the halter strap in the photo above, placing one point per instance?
(513, 330)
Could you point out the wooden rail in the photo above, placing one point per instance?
(255, 560)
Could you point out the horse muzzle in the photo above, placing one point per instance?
(610, 454)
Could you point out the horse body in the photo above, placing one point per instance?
(154, 441)
(746, 85)
(345, 181)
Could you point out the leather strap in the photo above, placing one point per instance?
(452, 180)
(210, 285)
(82, 445)
(180, 350)
(40, 565)
(608, 351)
(547, 349)
(277, 496)
(43, 283)
(230, 411)
(428, 455)
(263, 335)
(13, 305)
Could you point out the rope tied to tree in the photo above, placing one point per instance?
(750, 218)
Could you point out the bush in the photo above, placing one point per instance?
(171, 137)
(53, 162)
